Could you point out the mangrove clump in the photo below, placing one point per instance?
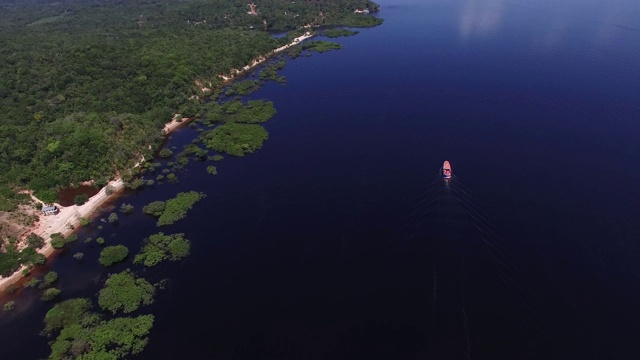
(236, 139)
(113, 254)
(160, 247)
(125, 292)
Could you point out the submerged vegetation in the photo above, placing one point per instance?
(82, 333)
(160, 247)
(236, 139)
(254, 111)
(113, 254)
(321, 46)
(172, 210)
(336, 33)
(244, 87)
(125, 292)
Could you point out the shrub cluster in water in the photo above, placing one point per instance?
(125, 292)
(58, 241)
(113, 254)
(236, 139)
(85, 334)
(254, 111)
(172, 210)
(321, 46)
(335, 33)
(160, 247)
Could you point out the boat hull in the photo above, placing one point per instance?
(446, 170)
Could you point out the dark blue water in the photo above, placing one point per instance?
(338, 241)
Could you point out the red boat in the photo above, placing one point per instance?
(446, 170)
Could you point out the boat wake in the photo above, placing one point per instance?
(450, 232)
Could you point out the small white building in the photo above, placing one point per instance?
(50, 210)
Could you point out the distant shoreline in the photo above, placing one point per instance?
(68, 219)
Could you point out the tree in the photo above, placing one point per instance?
(165, 153)
(9, 305)
(65, 313)
(125, 292)
(113, 218)
(160, 247)
(155, 208)
(51, 277)
(113, 254)
(236, 139)
(50, 294)
(126, 208)
(58, 241)
(176, 208)
(35, 241)
(80, 199)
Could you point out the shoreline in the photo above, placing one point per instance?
(227, 78)
(68, 218)
(65, 222)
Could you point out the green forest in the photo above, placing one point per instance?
(86, 86)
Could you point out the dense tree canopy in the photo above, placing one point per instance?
(236, 139)
(160, 247)
(125, 292)
(113, 254)
(85, 86)
(83, 334)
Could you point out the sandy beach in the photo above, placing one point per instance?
(64, 222)
(174, 124)
(226, 78)
(69, 216)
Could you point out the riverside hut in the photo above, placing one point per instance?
(50, 210)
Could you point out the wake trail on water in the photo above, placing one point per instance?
(506, 265)
(441, 220)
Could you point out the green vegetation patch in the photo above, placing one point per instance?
(50, 294)
(35, 241)
(155, 208)
(51, 277)
(11, 258)
(336, 33)
(113, 254)
(160, 247)
(244, 87)
(58, 241)
(254, 111)
(83, 334)
(126, 208)
(176, 208)
(172, 210)
(321, 46)
(66, 313)
(270, 71)
(125, 292)
(165, 153)
(9, 306)
(236, 139)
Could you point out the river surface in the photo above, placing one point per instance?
(338, 240)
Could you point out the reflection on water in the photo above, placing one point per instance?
(480, 18)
